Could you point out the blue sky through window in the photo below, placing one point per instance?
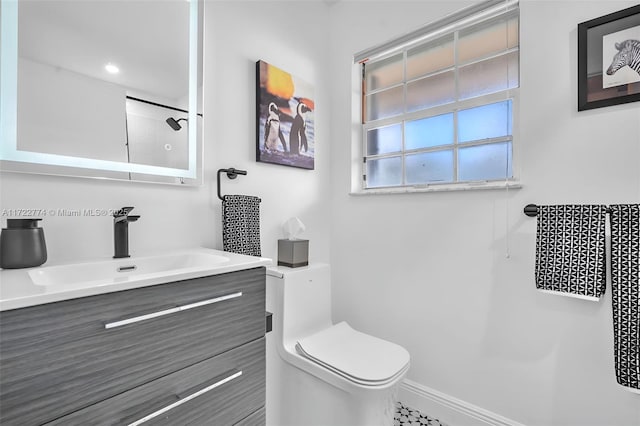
(427, 132)
(484, 122)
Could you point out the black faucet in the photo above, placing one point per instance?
(121, 221)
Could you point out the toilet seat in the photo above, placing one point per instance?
(356, 356)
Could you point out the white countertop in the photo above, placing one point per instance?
(18, 287)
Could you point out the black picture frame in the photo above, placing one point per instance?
(594, 36)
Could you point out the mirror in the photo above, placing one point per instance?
(98, 88)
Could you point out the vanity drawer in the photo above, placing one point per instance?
(61, 357)
(257, 418)
(218, 391)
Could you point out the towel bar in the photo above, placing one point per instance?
(531, 210)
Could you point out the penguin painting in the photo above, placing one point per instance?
(272, 132)
(298, 135)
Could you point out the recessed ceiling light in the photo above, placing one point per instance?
(111, 68)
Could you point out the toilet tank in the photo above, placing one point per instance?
(300, 299)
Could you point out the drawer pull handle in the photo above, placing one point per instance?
(127, 268)
(170, 311)
(186, 399)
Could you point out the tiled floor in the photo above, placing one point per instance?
(406, 416)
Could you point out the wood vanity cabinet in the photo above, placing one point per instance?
(189, 352)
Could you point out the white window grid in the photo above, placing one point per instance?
(451, 107)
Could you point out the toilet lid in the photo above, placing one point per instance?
(357, 356)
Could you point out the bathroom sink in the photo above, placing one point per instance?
(56, 282)
(119, 270)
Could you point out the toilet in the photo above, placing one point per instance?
(321, 373)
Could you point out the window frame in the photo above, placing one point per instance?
(359, 186)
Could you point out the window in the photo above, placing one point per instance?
(438, 105)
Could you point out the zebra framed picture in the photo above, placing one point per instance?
(284, 118)
(609, 59)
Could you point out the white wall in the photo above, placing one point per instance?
(176, 217)
(429, 271)
(291, 36)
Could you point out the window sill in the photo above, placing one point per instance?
(468, 186)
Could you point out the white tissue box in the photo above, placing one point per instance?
(293, 253)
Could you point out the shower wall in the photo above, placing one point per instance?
(49, 95)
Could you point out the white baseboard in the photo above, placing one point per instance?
(450, 410)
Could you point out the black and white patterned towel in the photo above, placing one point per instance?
(570, 250)
(625, 290)
(241, 224)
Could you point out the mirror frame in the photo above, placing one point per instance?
(13, 160)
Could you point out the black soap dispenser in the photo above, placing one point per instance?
(22, 244)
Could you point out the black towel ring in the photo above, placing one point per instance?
(231, 174)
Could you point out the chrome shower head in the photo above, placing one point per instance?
(174, 124)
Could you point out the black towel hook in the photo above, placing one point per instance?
(231, 174)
